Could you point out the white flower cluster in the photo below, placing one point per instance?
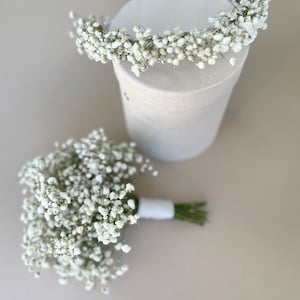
(78, 201)
(228, 32)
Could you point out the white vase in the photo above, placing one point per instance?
(175, 114)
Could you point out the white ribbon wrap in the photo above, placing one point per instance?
(156, 209)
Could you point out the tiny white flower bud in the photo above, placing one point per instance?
(232, 61)
(201, 65)
(125, 248)
(131, 203)
(72, 15)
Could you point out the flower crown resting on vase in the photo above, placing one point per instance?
(229, 31)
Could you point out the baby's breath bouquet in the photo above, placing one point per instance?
(78, 201)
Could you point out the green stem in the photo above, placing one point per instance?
(191, 212)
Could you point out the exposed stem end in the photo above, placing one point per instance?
(191, 212)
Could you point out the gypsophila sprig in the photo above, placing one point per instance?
(228, 33)
(78, 201)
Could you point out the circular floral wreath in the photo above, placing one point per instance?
(229, 31)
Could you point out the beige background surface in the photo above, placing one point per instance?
(250, 176)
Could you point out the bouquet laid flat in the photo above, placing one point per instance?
(79, 200)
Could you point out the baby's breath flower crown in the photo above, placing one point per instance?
(78, 200)
(229, 31)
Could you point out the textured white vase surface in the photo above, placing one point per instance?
(175, 113)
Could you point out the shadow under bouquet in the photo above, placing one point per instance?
(78, 201)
